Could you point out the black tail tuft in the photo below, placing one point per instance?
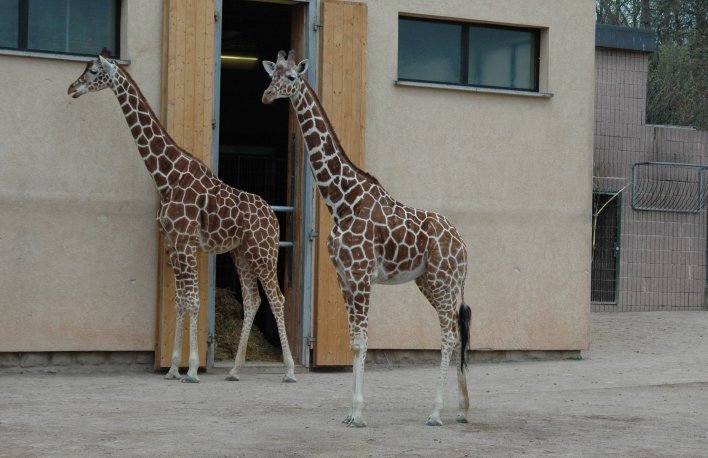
(463, 324)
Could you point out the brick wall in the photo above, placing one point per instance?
(662, 254)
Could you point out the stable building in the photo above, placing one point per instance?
(649, 218)
(480, 111)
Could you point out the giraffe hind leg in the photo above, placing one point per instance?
(269, 280)
(276, 300)
(441, 300)
(251, 302)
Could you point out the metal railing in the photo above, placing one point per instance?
(290, 210)
(287, 244)
(669, 187)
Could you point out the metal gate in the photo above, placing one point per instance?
(605, 248)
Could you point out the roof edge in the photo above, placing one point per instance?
(628, 38)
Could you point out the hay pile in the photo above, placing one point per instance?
(229, 321)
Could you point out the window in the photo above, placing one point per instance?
(467, 54)
(60, 26)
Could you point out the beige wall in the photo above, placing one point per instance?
(77, 206)
(77, 229)
(513, 173)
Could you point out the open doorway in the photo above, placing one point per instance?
(254, 156)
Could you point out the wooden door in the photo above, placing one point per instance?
(343, 95)
(188, 88)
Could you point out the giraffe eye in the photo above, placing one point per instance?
(93, 72)
(291, 77)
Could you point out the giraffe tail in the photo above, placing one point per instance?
(463, 328)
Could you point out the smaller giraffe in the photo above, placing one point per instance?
(377, 239)
(198, 212)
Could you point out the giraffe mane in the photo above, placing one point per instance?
(126, 74)
(349, 162)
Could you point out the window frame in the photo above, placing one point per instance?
(23, 33)
(464, 53)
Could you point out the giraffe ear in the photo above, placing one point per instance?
(302, 67)
(269, 67)
(108, 67)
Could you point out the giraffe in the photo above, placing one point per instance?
(197, 211)
(377, 239)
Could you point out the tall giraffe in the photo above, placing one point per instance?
(376, 239)
(198, 212)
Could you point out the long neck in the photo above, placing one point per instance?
(159, 152)
(336, 176)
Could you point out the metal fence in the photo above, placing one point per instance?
(605, 248)
(669, 187)
(663, 253)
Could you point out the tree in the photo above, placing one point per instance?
(677, 91)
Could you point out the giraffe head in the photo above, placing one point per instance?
(285, 76)
(99, 74)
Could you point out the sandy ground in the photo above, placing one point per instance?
(641, 390)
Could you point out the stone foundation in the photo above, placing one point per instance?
(120, 361)
(76, 361)
(410, 357)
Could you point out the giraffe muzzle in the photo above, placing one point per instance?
(74, 92)
(268, 97)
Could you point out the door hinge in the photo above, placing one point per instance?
(217, 16)
(317, 25)
(314, 235)
(311, 341)
(213, 123)
(210, 339)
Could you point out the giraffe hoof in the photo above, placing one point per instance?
(354, 422)
(232, 378)
(190, 379)
(289, 378)
(433, 421)
(172, 376)
(360, 423)
(461, 418)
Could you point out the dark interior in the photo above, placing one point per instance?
(253, 137)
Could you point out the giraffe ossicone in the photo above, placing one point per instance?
(377, 239)
(198, 212)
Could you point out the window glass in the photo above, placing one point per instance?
(502, 58)
(8, 23)
(467, 54)
(429, 51)
(72, 26)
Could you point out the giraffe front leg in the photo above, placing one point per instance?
(191, 375)
(173, 373)
(358, 346)
(184, 263)
(356, 291)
